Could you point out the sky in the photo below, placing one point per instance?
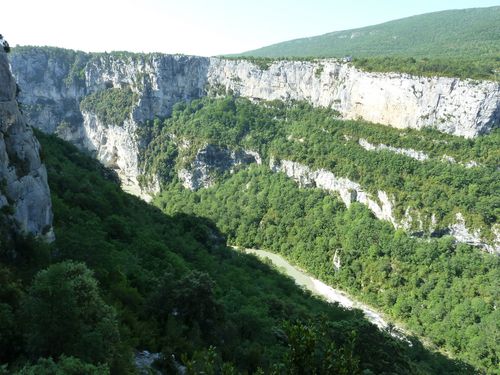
(196, 27)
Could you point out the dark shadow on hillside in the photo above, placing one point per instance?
(141, 256)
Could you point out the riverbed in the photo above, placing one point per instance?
(328, 293)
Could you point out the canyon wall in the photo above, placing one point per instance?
(24, 193)
(451, 105)
(54, 83)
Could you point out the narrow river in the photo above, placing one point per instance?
(328, 293)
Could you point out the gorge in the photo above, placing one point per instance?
(60, 90)
(282, 155)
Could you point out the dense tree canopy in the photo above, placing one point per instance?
(317, 138)
(419, 282)
(66, 314)
(175, 287)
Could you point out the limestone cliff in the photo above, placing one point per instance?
(382, 205)
(24, 193)
(212, 160)
(59, 89)
(460, 107)
(54, 82)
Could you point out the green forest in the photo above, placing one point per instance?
(123, 276)
(459, 43)
(316, 137)
(112, 106)
(169, 277)
(421, 283)
(437, 289)
(473, 67)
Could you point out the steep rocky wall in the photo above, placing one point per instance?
(24, 192)
(54, 82)
(160, 80)
(349, 191)
(211, 160)
(455, 106)
(48, 94)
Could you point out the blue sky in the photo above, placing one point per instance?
(199, 27)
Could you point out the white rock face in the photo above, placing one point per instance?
(51, 102)
(51, 94)
(23, 177)
(463, 234)
(160, 80)
(144, 360)
(454, 106)
(414, 154)
(468, 164)
(211, 160)
(348, 190)
(337, 263)
(116, 146)
(382, 207)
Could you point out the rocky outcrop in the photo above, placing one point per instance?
(144, 362)
(414, 154)
(50, 91)
(455, 106)
(462, 234)
(24, 192)
(54, 82)
(211, 161)
(116, 146)
(382, 205)
(349, 191)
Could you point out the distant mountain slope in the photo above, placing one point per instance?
(462, 33)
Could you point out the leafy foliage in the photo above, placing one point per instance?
(441, 291)
(462, 43)
(65, 366)
(65, 314)
(71, 63)
(406, 277)
(462, 32)
(175, 286)
(317, 138)
(112, 106)
(464, 67)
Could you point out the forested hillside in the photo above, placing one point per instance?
(458, 175)
(380, 188)
(387, 214)
(462, 43)
(451, 33)
(122, 276)
(441, 290)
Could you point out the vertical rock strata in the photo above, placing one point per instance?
(24, 192)
(455, 106)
